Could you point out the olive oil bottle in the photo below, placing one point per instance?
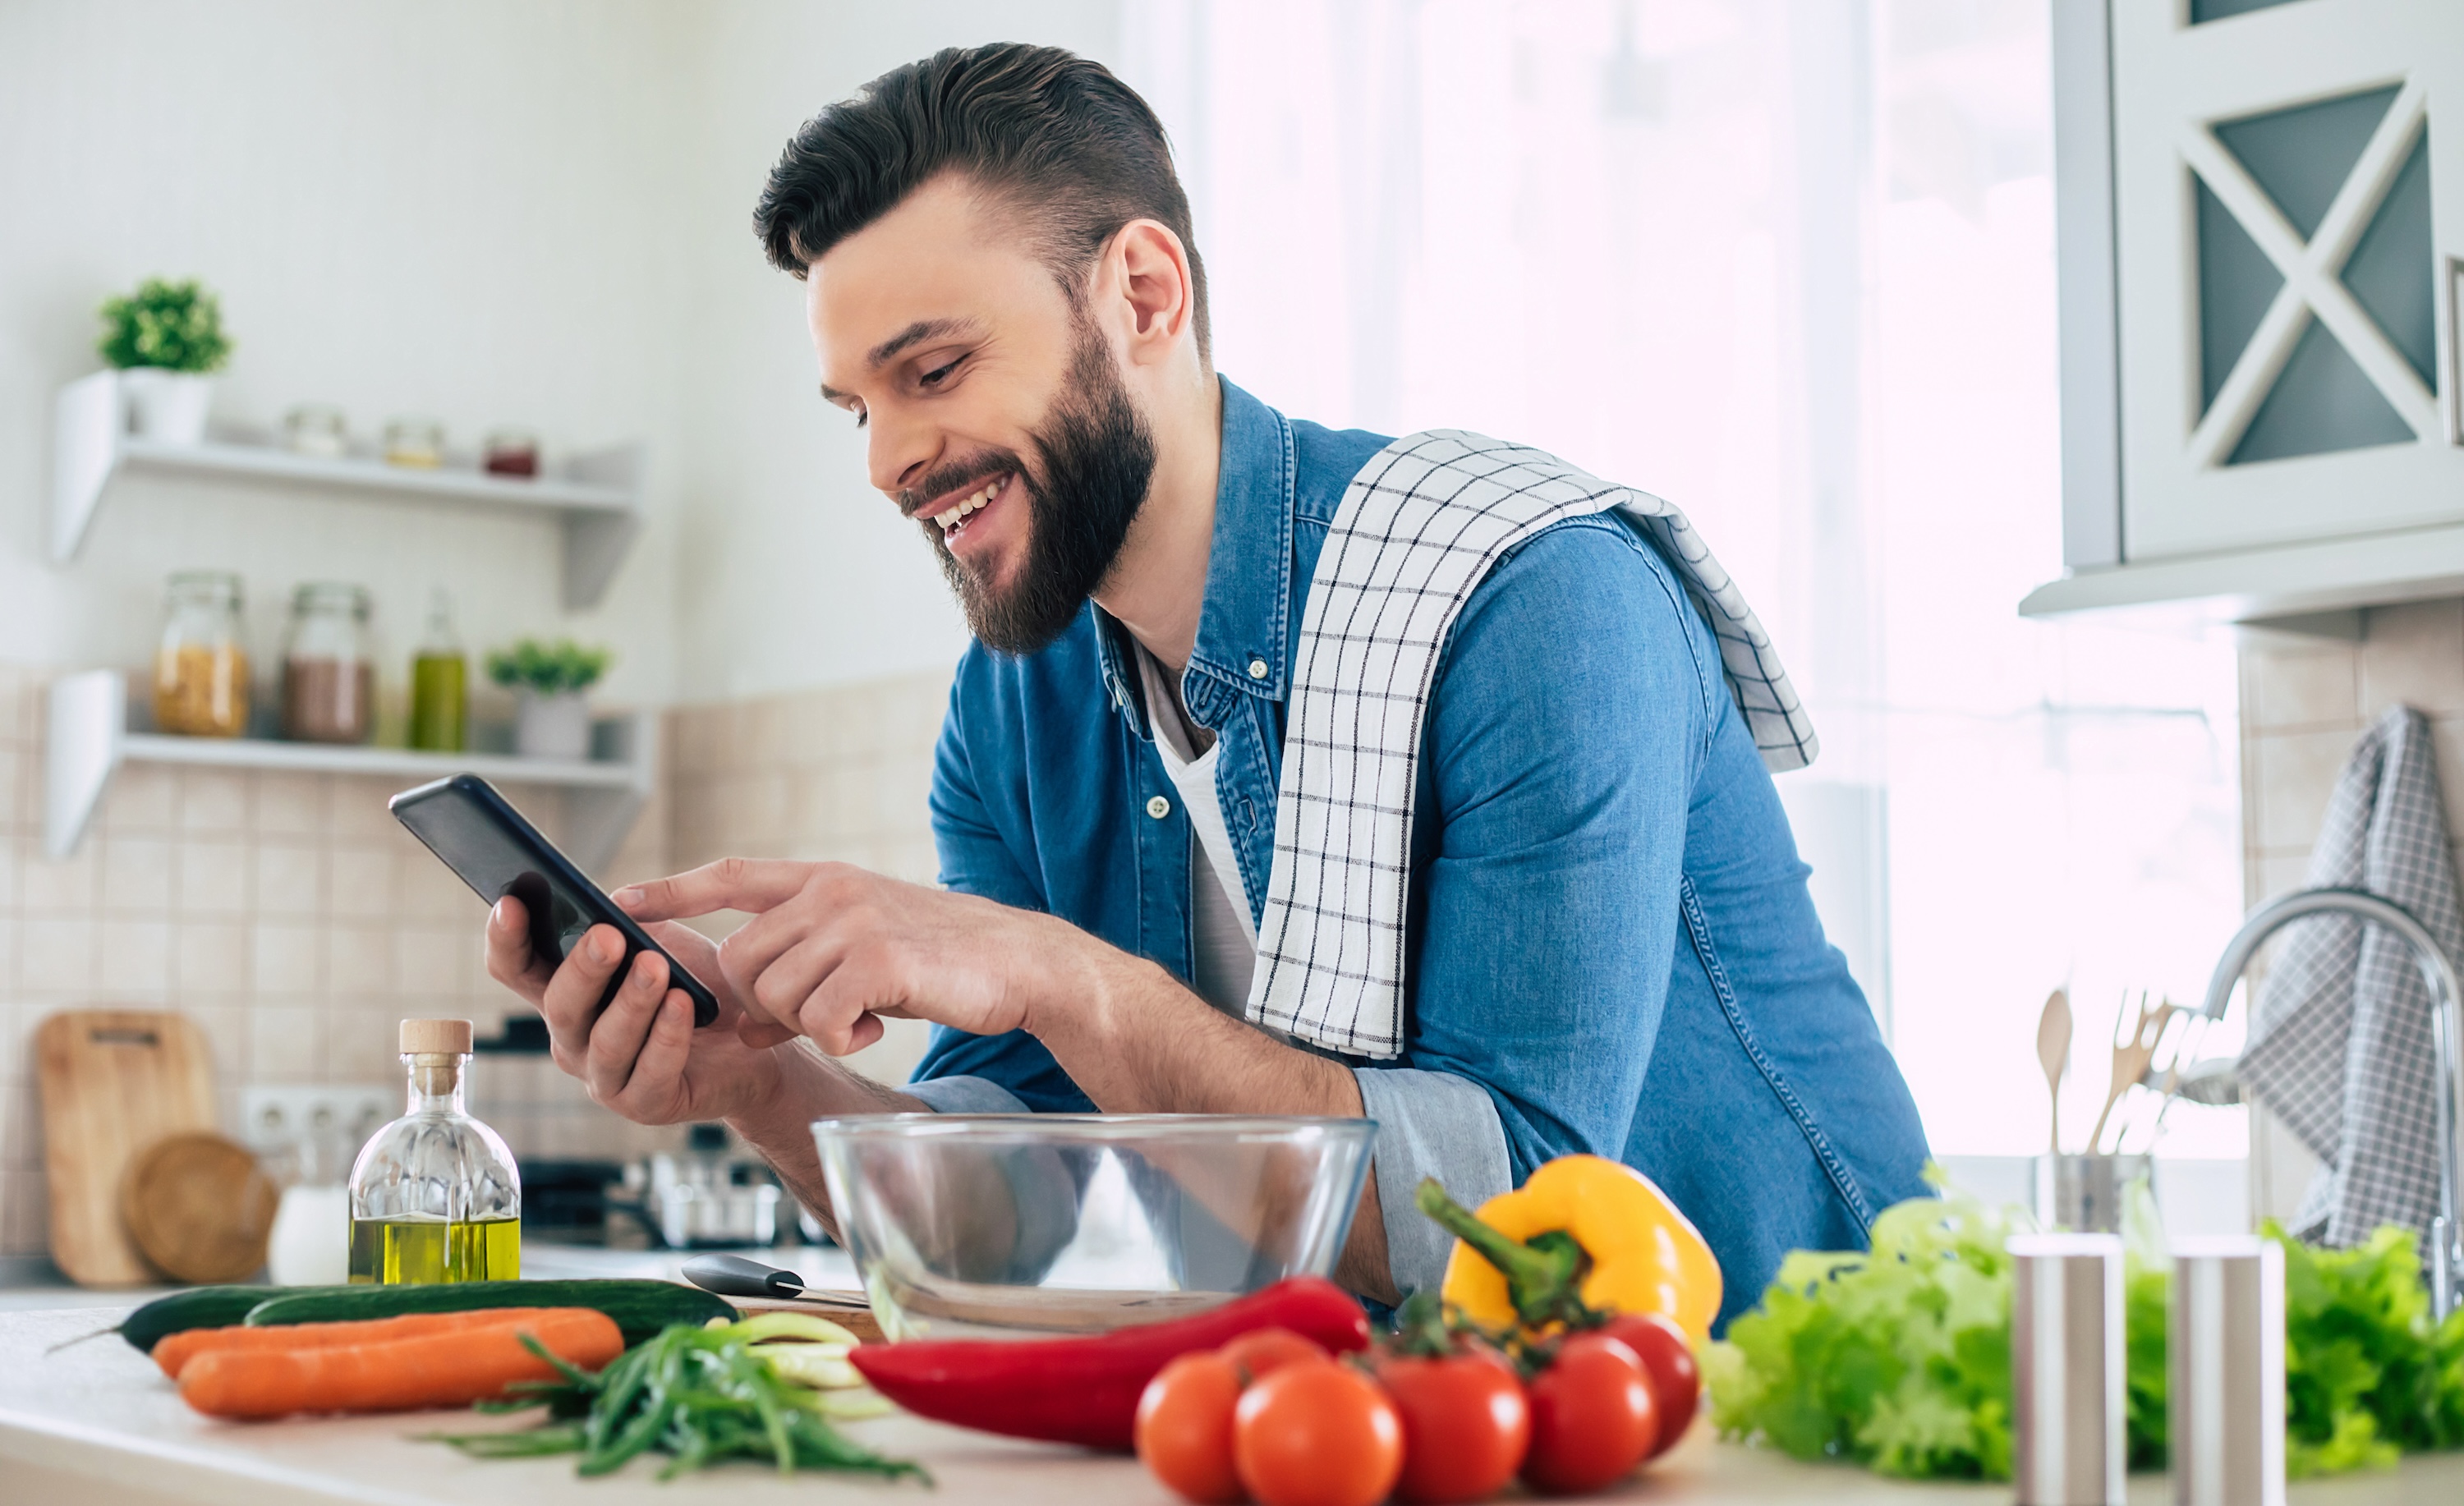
(435, 1195)
(440, 695)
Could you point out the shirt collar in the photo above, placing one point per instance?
(1242, 624)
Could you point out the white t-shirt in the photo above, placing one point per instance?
(1222, 928)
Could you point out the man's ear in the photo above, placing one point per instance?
(1154, 296)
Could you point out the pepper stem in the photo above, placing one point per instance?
(1543, 1275)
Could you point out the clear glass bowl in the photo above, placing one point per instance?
(1015, 1226)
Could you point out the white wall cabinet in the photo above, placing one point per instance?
(2262, 248)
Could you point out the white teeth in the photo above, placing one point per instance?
(956, 518)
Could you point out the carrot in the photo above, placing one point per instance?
(176, 1350)
(433, 1369)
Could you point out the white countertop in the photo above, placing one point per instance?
(97, 1425)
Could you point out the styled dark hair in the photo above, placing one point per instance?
(1072, 149)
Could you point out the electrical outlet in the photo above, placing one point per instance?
(273, 1117)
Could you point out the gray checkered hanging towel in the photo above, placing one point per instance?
(2340, 1035)
(1417, 528)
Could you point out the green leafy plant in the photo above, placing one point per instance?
(1898, 1359)
(2366, 1374)
(1901, 1359)
(547, 668)
(177, 326)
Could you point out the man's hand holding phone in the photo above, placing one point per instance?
(641, 1056)
(833, 949)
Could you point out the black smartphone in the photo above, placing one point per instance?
(482, 837)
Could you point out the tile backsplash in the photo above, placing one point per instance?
(292, 917)
(2305, 700)
(833, 776)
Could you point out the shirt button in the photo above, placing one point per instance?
(1159, 807)
(1257, 668)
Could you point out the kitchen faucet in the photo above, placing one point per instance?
(2447, 1025)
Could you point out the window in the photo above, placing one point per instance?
(1790, 266)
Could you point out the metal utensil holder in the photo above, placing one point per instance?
(2084, 1193)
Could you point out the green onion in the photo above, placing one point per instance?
(698, 1395)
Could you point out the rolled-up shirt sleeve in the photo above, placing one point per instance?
(966, 1094)
(1430, 1124)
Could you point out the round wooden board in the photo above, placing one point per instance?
(200, 1208)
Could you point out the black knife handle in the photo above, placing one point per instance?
(734, 1276)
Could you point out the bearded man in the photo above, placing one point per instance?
(1293, 770)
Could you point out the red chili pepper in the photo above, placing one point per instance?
(1085, 1391)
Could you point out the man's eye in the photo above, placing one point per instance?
(933, 377)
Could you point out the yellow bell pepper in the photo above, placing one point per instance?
(1582, 1232)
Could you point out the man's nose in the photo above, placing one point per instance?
(898, 453)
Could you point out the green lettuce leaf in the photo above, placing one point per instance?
(1900, 1358)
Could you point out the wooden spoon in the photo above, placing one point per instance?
(2131, 1056)
(2054, 1051)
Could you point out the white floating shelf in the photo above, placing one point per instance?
(89, 740)
(596, 501)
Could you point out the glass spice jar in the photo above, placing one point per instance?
(418, 442)
(319, 429)
(329, 673)
(510, 451)
(200, 669)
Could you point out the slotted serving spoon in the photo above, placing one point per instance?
(2053, 1052)
(2132, 1055)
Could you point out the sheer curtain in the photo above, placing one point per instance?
(1788, 263)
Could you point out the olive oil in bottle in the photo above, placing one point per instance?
(440, 696)
(435, 1196)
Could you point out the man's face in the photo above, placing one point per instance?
(995, 413)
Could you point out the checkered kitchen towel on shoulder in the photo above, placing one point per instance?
(1417, 529)
(2340, 1033)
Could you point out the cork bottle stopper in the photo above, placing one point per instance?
(436, 1037)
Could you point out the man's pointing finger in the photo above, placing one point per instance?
(731, 884)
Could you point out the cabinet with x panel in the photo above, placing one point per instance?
(2275, 319)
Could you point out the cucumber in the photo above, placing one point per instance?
(640, 1308)
(202, 1307)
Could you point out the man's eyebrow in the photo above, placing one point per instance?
(914, 334)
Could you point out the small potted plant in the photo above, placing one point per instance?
(167, 340)
(551, 718)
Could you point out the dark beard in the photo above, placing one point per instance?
(1096, 459)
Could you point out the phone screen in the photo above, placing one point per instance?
(492, 862)
(484, 839)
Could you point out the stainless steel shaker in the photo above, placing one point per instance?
(2225, 1351)
(2069, 1428)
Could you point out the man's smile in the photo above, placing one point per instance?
(957, 513)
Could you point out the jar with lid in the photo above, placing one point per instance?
(510, 450)
(329, 673)
(200, 669)
(319, 429)
(418, 442)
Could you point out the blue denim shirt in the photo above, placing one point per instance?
(1611, 947)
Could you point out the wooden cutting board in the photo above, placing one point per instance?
(113, 1082)
(200, 1208)
(853, 1317)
